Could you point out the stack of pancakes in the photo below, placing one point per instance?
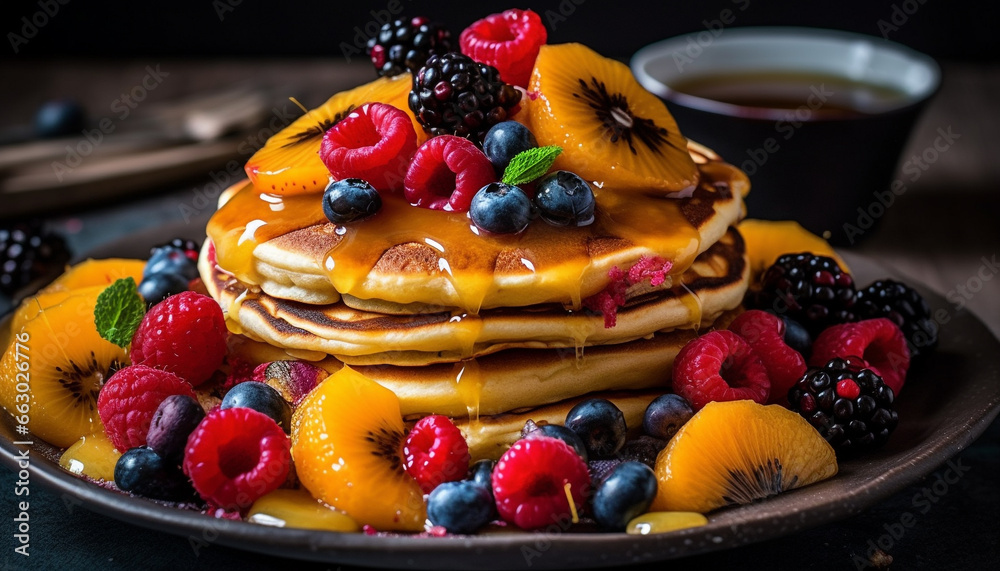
(490, 330)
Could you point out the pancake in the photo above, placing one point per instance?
(715, 283)
(523, 378)
(489, 330)
(515, 379)
(510, 395)
(491, 436)
(284, 246)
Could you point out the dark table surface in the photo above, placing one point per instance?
(941, 233)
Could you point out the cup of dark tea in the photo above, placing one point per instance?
(816, 118)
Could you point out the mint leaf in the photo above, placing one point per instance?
(528, 165)
(119, 311)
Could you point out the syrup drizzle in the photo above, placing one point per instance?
(469, 386)
(456, 267)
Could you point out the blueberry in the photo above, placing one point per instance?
(601, 426)
(171, 260)
(155, 288)
(58, 118)
(482, 473)
(564, 434)
(262, 398)
(144, 472)
(460, 507)
(797, 337)
(501, 209)
(174, 420)
(504, 141)
(624, 495)
(350, 199)
(565, 199)
(666, 415)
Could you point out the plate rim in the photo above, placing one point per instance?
(507, 550)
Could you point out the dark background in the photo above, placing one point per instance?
(960, 29)
(93, 35)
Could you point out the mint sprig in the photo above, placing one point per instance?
(529, 165)
(119, 311)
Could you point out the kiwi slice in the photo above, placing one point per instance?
(347, 439)
(289, 162)
(612, 131)
(103, 272)
(89, 276)
(738, 452)
(67, 363)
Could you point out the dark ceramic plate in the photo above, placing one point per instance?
(948, 402)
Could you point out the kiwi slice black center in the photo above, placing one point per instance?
(761, 482)
(388, 444)
(613, 111)
(318, 130)
(85, 382)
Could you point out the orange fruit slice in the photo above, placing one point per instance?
(767, 240)
(289, 162)
(347, 438)
(296, 508)
(738, 452)
(93, 455)
(612, 131)
(59, 361)
(97, 273)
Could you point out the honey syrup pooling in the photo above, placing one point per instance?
(454, 264)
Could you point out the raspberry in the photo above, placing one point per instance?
(128, 402)
(508, 41)
(434, 452)
(240, 370)
(607, 301)
(235, 456)
(529, 482)
(653, 268)
(373, 143)
(446, 172)
(765, 333)
(719, 366)
(878, 341)
(184, 334)
(614, 295)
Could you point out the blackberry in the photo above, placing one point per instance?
(404, 45)
(810, 289)
(28, 253)
(903, 306)
(848, 404)
(190, 247)
(455, 95)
